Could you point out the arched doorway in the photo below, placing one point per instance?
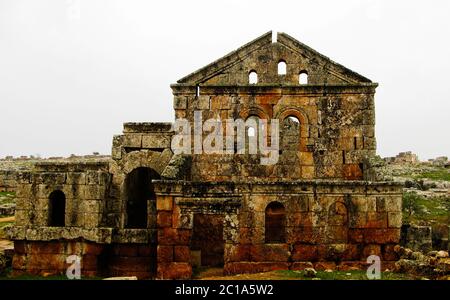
(140, 198)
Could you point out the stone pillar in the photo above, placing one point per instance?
(173, 254)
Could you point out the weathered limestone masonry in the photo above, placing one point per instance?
(8, 181)
(150, 213)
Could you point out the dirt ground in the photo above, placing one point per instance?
(5, 244)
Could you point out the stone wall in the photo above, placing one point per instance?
(335, 111)
(8, 182)
(85, 187)
(370, 225)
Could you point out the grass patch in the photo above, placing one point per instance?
(2, 225)
(431, 210)
(343, 275)
(439, 174)
(7, 197)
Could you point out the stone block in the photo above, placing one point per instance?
(175, 270)
(372, 249)
(370, 143)
(182, 254)
(395, 219)
(308, 172)
(164, 202)
(381, 236)
(269, 252)
(165, 254)
(236, 253)
(203, 102)
(220, 102)
(164, 219)
(156, 141)
(296, 219)
(305, 252)
(394, 203)
(76, 178)
(180, 102)
(376, 220)
(132, 140)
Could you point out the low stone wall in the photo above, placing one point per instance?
(370, 223)
(8, 180)
(50, 258)
(417, 238)
(7, 209)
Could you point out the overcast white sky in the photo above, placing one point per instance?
(72, 71)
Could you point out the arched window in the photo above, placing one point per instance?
(140, 198)
(275, 231)
(290, 133)
(252, 77)
(281, 67)
(303, 77)
(57, 209)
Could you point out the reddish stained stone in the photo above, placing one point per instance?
(19, 247)
(164, 219)
(299, 266)
(269, 252)
(254, 267)
(47, 261)
(172, 236)
(371, 250)
(355, 235)
(352, 172)
(324, 265)
(92, 248)
(46, 247)
(376, 220)
(381, 236)
(19, 262)
(245, 235)
(182, 254)
(175, 270)
(234, 253)
(176, 217)
(352, 265)
(307, 235)
(164, 254)
(304, 252)
(351, 252)
(89, 262)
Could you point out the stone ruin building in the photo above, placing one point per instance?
(153, 214)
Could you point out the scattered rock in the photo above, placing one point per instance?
(122, 278)
(419, 264)
(310, 272)
(442, 254)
